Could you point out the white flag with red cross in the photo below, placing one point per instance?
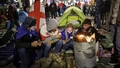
(38, 12)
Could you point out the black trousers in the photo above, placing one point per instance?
(53, 14)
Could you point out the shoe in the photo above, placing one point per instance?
(113, 62)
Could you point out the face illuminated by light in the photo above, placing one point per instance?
(69, 29)
(32, 28)
(86, 26)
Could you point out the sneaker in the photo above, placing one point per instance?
(113, 62)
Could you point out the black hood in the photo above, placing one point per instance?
(29, 21)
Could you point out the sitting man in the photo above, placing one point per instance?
(54, 38)
(27, 41)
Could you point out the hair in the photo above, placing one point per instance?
(12, 2)
(70, 25)
(87, 21)
(67, 26)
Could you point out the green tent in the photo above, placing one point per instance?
(72, 14)
(107, 41)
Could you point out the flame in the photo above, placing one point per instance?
(90, 38)
(83, 38)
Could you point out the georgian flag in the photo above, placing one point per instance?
(38, 12)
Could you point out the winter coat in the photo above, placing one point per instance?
(46, 8)
(52, 25)
(24, 37)
(118, 17)
(12, 13)
(63, 34)
(53, 7)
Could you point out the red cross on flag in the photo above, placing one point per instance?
(38, 12)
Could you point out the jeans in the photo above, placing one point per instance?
(67, 45)
(47, 16)
(114, 38)
(58, 46)
(31, 53)
(118, 40)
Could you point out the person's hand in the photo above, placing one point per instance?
(49, 43)
(34, 44)
(58, 36)
(65, 41)
(39, 43)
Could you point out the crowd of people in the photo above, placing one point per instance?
(27, 40)
(53, 10)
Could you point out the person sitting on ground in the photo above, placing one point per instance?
(27, 40)
(87, 29)
(67, 36)
(54, 38)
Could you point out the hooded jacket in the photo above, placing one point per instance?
(52, 24)
(24, 37)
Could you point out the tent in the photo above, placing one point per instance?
(107, 41)
(72, 14)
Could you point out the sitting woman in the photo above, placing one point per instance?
(27, 41)
(67, 36)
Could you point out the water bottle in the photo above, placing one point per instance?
(101, 50)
